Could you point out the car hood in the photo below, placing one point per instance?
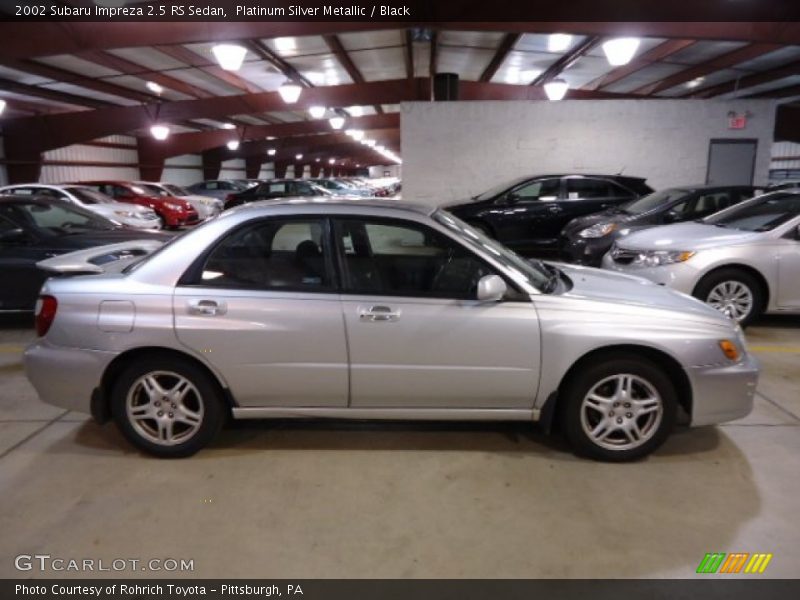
(620, 290)
(125, 207)
(688, 236)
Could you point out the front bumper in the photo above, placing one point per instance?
(723, 393)
(584, 251)
(65, 377)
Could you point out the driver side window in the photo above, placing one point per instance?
(398, 258)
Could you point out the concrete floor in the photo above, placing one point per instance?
(398, 500)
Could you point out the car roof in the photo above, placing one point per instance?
(333, 202)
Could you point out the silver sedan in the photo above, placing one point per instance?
(743, 261)
(378, 310)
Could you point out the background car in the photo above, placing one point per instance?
(376, 309)
(743, 261)
(276, 188)
(341, 188)
(130, 215)
(528, 214)
(790, 184)
(205, 206)
(217, 188)
(173, 212)
(586, 239)
(33, 228)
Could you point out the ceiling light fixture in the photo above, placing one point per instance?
(356, 134)
(233, 145)
(331, 161)
(228, 126)
(556, 89)
(317, 112)
(271, 152)
(695, 82)
(317, 160)
(290, 92)
(229, 56)
(558, 42)
(620, 51)
(356, 111)
(336, 122)
(154, 87)
(298, 157)
(160, 132)
(2, 106)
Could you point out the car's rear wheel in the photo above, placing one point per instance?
(619, 409)
(167, 407)
(733, 292)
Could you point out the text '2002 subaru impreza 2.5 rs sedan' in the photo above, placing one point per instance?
(379, 310)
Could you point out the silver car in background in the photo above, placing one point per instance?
(319, 307)
(124, 213)
(743, 261)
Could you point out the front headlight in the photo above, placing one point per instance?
(123, 213)
(598, 230)
(657, 258)
(730, 350)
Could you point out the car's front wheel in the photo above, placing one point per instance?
(168, 407)
(734, 293)
(619, 409)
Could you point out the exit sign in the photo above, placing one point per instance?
(737, 122)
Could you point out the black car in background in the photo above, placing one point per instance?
(586, 239)
(528, 214)
(276, 188)
(33, 229)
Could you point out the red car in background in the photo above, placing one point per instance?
(174, 212)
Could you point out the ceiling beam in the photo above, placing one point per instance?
(783, 92)
(506, 46)
(32, 39)
(748, 81)
(307, 144)
(264, 52)
(36, 91)
(197, 61)
(567, 60)
(476, 90)
(724, 61)
(340, 52)
(654, 55)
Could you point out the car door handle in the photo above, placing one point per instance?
(206, 307)
(378, 313)
(553, 208)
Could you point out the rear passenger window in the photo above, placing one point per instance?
(581, 188)
(274, 255)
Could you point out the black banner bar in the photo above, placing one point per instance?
(744, 588)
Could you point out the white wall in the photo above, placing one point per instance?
(232, 169)
(58, 173)
(267, 171)
(380, 170)
(786, 150)
(454, 150)
(176, 171)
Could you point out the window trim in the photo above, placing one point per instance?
(514, 293)
(192, 276)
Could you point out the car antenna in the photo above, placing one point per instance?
(621, 170)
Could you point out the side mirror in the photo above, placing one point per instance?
(14, 236)
(511, 198)
(672, 217)
(797, 233)
(491, 288)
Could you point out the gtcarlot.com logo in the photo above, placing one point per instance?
(734, 563)
(46, 562)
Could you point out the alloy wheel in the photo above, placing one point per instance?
(164, 408)
(732, 298)
(621, 412)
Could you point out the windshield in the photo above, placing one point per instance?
(152, 190)
(55, 218)
(492, 192)
(89, 196)
(532, 271)
(763, 213)
(175, 190)
(652, 201)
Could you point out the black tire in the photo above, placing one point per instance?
(719, 277)
(654, 426)
(202, 403)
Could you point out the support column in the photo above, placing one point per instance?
(212, 164)
(280, 168)
(252, 167)
(315, 169)
(151, 162)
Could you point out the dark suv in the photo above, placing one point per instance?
(276, 188)
(528, 214)
(586, 239)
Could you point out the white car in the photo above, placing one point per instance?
(206, 206)
(743, 261)
(130, 215)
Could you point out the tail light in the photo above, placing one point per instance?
(46, 307)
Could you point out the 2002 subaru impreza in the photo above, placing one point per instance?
(378, 310)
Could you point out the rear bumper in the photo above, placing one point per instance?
(65, 377)
(723, 393)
